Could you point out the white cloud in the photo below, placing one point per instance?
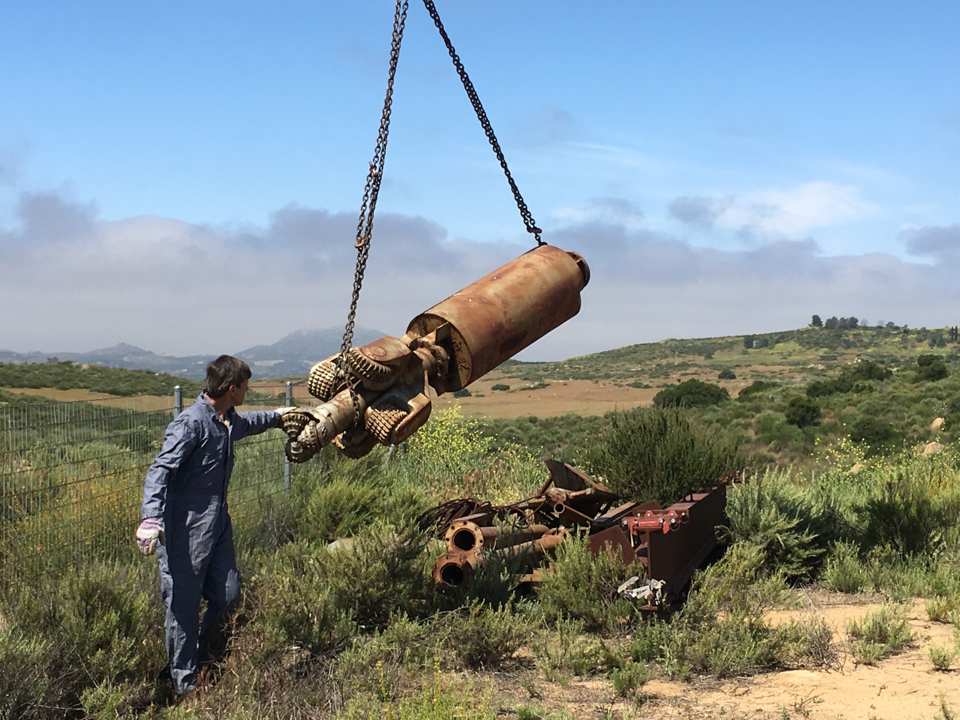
(613, 210)
(71, 280)
(786, 213)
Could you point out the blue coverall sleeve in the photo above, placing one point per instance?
(178, 443)
(252, 423)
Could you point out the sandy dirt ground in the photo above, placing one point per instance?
(562, 397)
(903, 687)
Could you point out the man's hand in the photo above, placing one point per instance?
(149, 533)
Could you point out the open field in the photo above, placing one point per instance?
(838, 595)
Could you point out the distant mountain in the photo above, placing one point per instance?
(296, 352)
(290, 356)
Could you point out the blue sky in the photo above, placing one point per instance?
(635, 130)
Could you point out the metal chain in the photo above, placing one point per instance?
(525, 213)
(371, 191)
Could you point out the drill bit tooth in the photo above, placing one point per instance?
(372, 373)
(380, 422)
(322, 380)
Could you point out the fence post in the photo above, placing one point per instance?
(287, 466)
(177, 400)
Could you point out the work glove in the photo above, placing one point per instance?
(149, 533)
(294, 420)
(282, 412)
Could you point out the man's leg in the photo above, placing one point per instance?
(181, 590)
(221, 590)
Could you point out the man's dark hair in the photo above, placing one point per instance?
(223, 372)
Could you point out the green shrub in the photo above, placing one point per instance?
(628, 679)
(733, 646)
(650, 640)
(462, 393)
(339, 509)
(318, 598)
(844, 571)
(655, 454)
(877, 434)
(802, 412)
(869, 370)
(483, 637)
(790, 525)
(931, 368)
(807, 643)
(773, 429)
(942, 608)
(942, 657)
(500, 387)
(727, 374)
(879, 634)
(755, 388)
(566, 651)
(109, 701)
(584, 586)
(721, 630)
(690, 393)
(910, 511)
(25, 683)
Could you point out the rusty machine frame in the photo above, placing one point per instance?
(666, 545)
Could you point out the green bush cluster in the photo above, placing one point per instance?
(583, 585)
(931, 368)
(755, 388)
(891, 527)
(660, 454)
(68, 376)
(803, 412)
(879, 634)
(690, 394)
(96, 626)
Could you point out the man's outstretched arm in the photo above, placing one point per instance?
(252, 423)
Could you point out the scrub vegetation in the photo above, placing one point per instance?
(357, 631)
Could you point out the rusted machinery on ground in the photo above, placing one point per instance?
(669, 544)
(380, 392)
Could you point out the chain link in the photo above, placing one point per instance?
(525, 213)
(371, 191)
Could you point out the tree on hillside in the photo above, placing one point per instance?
(691, 393)
(803, 412)
(931, 367)
(816, 322)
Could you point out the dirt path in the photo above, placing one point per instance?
(904, 687)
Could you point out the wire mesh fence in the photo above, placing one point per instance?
(71, 474)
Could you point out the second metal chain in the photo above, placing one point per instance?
(525, 213)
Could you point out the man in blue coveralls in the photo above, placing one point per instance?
(184, 515)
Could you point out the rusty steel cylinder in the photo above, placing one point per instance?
(470, 537)
(508, 309)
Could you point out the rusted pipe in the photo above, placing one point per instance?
(465, 536)
(540, 546)
(505, 311)
(453, 569)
